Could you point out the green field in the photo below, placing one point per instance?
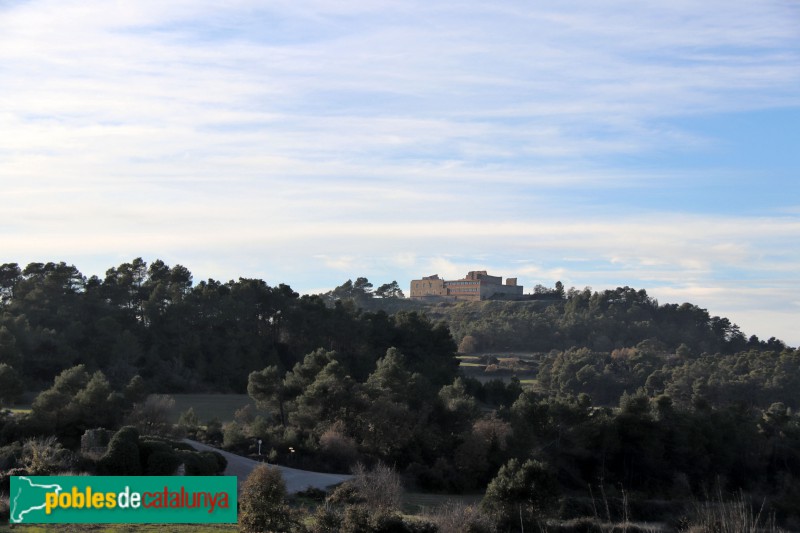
(469, 361)
(208, 406)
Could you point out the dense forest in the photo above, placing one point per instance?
(651, 405)
(152, 320)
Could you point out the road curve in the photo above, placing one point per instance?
(296, 480)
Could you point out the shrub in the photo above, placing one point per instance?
(521, 493)
(222, 463)
(363, 519)
(380, 487)
(735, 516)
(188, 423)
(326, 520)
(158, 458)
(162, 463)
(44, 456)
(340, 450)
(456, 517)
(151, 417)
(203, 463)
(122, 457)
(468, 344)
(311, 493)
(10, 455)
(233, 437)
(262, 502)
(346, 494)
(213, 431)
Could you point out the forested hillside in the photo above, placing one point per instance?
(152, 320)
(654, 406)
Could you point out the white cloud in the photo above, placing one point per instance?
(402, 138)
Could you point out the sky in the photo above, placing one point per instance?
(607, 143)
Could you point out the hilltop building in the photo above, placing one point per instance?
(476, 285)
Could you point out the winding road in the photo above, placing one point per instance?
(296, 480)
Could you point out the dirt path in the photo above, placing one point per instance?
(296, 480)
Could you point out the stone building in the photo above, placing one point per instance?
(476, 285)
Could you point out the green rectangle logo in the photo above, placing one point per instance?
(123, 499)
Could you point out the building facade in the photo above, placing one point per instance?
(476, 285)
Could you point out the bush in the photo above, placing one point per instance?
(326, 520)
(213, 432)
(233, 437)
(362, 519)
(262, 502)
(44, 456)
(521, 493)
(188, 423)
(158, 458)
(380, 487)
(737, 516)
(203, 463)
(459, 518)
(311, 493)
(10, 455)
(222, 463)
(339, 449)
(346, 494)
(162, 464)
(151, 417)
(122, 457)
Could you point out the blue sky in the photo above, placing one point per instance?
(308, 142)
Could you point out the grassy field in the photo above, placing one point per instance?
(208, 406)
(418, 502)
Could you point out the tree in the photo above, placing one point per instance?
(10, 384)
(468, 344)
(96, 405)
(332, 396)
(521, 493)
(389, 290)
(152, 416)
(362, 288)
(9, 353)
(559, 290)
(267, 389)
(10, 275)
(53, 407)
(262, 503)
